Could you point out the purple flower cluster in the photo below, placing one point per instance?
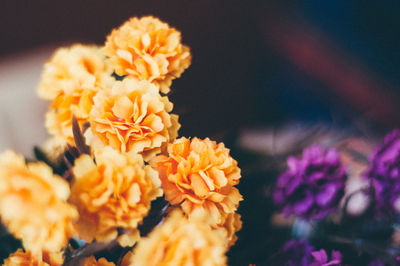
(301, 253)
(321, 258)
(384, 174)
(313, 185)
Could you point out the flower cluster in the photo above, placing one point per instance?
(112, 194)
(179, 241)
(113, 141)
(384, 174)
(199, 176)
(148, 49)
(33, 204)
(313, 185)
(132, 116)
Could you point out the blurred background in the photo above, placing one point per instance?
(255, 63)
(266, 76)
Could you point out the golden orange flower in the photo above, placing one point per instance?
(200, 175)
(113, 195)
(91, 261)
(33, 204)
(132, 116)
(21, 258)
(179, 241)
(71, 79)
(148, 49)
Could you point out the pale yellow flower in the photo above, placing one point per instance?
(71, 79)
(199, 175)
(33, 204)
(21, 258)
(180, 242)
(113, 194)
(79, 67)
(132, 116)
(148, 49)
(91, 261)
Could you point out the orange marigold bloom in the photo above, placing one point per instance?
(113, 195)
(91, 261)
(33, 204)
(21, 258)
(71, 79)
(148, 49)
(132, 116)
(179, 241)
(200, 175)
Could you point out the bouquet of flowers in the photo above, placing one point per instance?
(115, 184)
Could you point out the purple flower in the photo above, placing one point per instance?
(295, 253)
(384, 174)
(321, 258)
(313, 185)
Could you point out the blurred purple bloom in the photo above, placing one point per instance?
(321, 258)
(313, 185)
(295, 253)
(384, 174)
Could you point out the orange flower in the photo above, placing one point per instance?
(200, 175)
(91, 261)
(21, 258)
(148, 49)
(179, 241)
(33, 204)
(132, 116)
(71, 79)
(113, 195)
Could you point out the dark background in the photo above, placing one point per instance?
(254, 62)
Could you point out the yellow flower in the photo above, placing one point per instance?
(91, 261)
(33, 204)
(148, 49)
(71, 79)
(132, 116)
(200, 176)
(21, 258)
(113, 195)
(77, 67)
(179, 242)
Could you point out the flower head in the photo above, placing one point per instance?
(113, 194)
(27, 259)
(71, 68)
(148, 49)
(33, 204)
(71, 79)
(200, 176)
(132, 116)
(313, 186)
(179, 241)
(384, 174)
